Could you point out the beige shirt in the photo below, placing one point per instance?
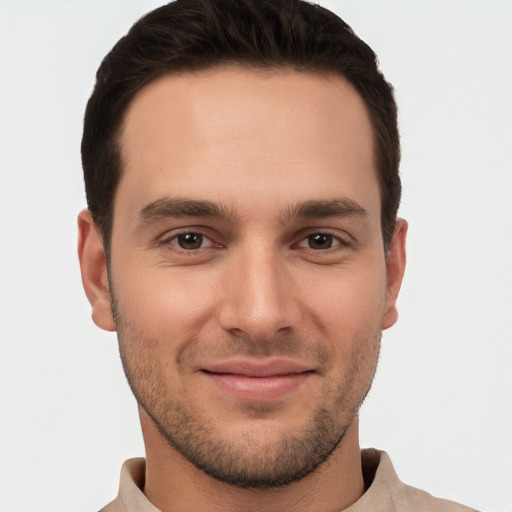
(386, 493)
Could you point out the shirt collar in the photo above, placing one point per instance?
(383, 486)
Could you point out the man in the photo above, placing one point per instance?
(241, 169)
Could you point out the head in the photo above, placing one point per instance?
(193, 35)
(241, 171)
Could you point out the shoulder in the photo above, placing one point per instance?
(114, 506)
(421, 501)
(386, 492)
(130, 497)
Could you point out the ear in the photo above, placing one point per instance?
(395, 266)
(93, 267)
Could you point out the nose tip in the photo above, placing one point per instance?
(259, 300)
(256, 322)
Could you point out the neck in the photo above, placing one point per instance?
(174, 484)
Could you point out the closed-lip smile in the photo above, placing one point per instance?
(257, 380)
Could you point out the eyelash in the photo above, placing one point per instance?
(337, 242)
(174, 241)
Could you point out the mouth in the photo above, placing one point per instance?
(257, 381)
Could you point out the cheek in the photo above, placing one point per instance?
(161, 317)
(347, 301)
(166, 304)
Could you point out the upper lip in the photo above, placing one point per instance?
(256, 368)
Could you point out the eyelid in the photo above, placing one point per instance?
(343, 238)
(169, 236)
(337, 241)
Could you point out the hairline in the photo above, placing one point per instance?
(314, 69)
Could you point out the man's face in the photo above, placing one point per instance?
(247, 267)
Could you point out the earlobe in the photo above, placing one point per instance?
(94, 271)
(395, 267)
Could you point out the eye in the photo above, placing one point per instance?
(191, 241)
(320, 241)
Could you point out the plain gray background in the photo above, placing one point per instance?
(441, 404)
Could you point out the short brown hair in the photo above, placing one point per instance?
(192, 35)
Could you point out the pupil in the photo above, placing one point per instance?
(190, 241)
(320, 241)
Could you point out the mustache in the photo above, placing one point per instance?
(236, 344)
(279, 345)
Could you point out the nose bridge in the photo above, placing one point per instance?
(260, 299)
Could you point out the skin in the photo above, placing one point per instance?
(290, 270)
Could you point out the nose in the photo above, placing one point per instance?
(259, 298)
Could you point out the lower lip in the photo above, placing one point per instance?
(257, 388)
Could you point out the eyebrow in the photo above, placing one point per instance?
(338, 207)
(182, 207)
(176, 207)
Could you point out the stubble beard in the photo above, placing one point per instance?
(244, 462)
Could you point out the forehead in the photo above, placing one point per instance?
(230, 132)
